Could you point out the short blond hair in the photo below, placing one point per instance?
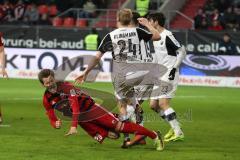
(125, 16)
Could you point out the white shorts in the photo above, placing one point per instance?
(166, 89)
(127, 76)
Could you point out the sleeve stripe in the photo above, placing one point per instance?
(174, 41)
(144, 30)
(103, 40)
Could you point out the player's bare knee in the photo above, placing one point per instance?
(154, 106)
(163, 104)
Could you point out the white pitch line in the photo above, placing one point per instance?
(5, 125)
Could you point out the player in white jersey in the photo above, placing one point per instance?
(135, 112)
(169, 53)
(124, 43)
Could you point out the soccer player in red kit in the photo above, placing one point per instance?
(2, 58)
(93, 118)
(2, 65)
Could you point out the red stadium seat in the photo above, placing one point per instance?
(53, 10)
(57, 21)
(43, 9)
(81, 23)
(69, 22)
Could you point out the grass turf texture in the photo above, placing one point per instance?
(210, 119)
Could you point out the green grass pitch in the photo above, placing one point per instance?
(209, 117)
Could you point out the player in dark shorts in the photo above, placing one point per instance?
(93, 118)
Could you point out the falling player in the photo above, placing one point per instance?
(93, 118)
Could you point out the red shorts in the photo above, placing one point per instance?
(96, 132)
(99, 122)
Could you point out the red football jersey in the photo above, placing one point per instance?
(77, 102)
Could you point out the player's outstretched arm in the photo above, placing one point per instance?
(54, 121)
(156, 35)
(180, 56)
(73, 101)
(94, 61)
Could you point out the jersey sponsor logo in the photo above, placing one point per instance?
(73, 92)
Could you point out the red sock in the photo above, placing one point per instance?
(129, 127)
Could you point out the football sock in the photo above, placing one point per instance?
(129, 127)
(125, 118)
(171, 117)
(131, 113)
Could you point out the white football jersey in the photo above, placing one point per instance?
(125, 44)
(165, 49)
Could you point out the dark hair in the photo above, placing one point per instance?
(93, 31)
(44, 74)
(226, 34)
(135, 17)
(159, 17)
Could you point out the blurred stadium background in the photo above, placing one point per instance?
(46, 33)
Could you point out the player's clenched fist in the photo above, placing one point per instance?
(143, 21)
(58, 124)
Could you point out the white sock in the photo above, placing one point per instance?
(123, 118)
(131, 113)
(171, 118)
(142, 123)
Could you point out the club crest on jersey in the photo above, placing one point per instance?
(73, 92)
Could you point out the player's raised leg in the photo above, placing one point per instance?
(128, 127)
(136, 116)
(97, 132)
(124, 117)
(110, 122)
